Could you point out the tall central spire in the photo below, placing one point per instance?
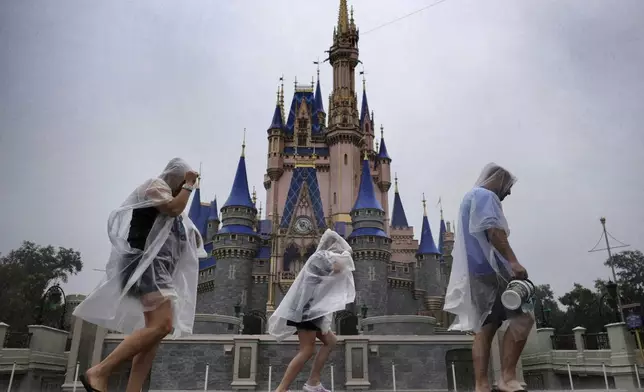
(343, 17)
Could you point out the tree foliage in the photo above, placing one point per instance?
(25, 275)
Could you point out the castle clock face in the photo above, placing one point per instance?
(303, 225)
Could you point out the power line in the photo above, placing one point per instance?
(404, 16)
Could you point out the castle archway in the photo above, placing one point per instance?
(254, 323)
(346, 323)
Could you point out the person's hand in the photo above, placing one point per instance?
(191, 178)
(518, 272)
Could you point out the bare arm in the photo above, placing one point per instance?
(499, 239)
(176, 206)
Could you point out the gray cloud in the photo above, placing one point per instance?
(96, 98)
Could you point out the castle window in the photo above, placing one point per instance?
(233, 237)
(346, 159)
(261, 263)
(371, 239)
(335, 198)
(406, 269)
(301, 140)
(393, 268)
(302, 123)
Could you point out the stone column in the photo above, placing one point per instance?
(245, 363)
(72, 359)
(542, 344)
(356, 363)
(3, 333)
(622, 355)
(579, 344)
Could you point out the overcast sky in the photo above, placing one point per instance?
(96, 97)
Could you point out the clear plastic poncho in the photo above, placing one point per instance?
(479, 272)
(324, 285)
(166, 268)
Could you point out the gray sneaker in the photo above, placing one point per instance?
(316, 388)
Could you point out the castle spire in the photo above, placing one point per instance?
(383, 154)
(277, 121)
(239, 195)
(398, 216)
(343, 17)
(214, 211)
(427, 245)
(366, 195)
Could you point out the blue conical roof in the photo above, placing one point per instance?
(364, 112)
(366, 195)
(427, 246)
(239, 195)
(319, 104)
(195, 207)
(398, 217)
(277, 122)
(441, 238)
(214, 211)
(382, 154)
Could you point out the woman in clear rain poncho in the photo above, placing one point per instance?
(483, 264)
(150, 287)
(323, 286)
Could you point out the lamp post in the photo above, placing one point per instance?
(54, 290)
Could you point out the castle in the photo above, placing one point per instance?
(324, 170)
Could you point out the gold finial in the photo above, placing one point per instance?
(424, 205)
(254, 196)
(278, 96)
(243, 154)
(351, 14)
(377, 146)
(260, 210)
(382, 132)
(295, 82)
(282, 97)
(312, 81)
(318, 67)
(395, 182)
(343, 18)
(440, 203)
(199, 178)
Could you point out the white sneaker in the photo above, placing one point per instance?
(316, 388)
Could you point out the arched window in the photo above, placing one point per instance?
(335, 198)
(291, 255)
(346, 159)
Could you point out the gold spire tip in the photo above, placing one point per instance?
(243, 154)
(365, 155)
(424, 205)
(382, 132)
(396, 182)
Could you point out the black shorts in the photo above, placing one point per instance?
(154, 278)
(498, 313)
(309, 325)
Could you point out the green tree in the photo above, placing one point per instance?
(25, 274)
(586, 308)
(629, 268)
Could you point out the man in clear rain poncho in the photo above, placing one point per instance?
(150, 287)
(324, 285)
(483, 264)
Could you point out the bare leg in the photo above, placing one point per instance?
(481, 356)
(139, 341)
(329, 341)
(307, 349)
(514, 340)
(142, 362)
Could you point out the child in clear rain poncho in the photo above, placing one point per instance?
(150, 287)
(324, 285)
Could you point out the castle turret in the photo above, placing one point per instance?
(213, 221)
(371, 246)
(318, 105)
(275, 157)
(344, 137)
(384, 172)
(235, 246)
(428, 266)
